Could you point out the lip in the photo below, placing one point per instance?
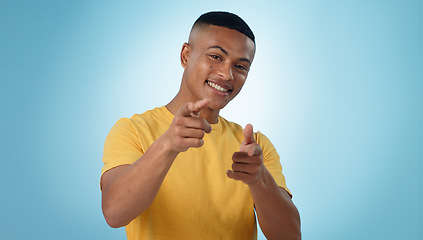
(222, 85)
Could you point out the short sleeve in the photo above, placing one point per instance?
(271, 160)
(122, 145)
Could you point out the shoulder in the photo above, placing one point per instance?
(262, 139)
(238, 129)
(151, 117)
(132, 126)
(158, 112)
(232, 126)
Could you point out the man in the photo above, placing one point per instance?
(181, 171)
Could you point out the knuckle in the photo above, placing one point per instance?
(178, 120)
(258, 161)
(190, 106)
(178, 131)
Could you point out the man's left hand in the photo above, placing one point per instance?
(247, 164)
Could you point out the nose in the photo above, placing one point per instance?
(225, 72)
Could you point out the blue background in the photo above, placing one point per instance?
(336, 86)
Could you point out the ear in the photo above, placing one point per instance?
(185, 52)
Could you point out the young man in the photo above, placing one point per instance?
(181, 171)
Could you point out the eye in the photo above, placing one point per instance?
(217, 57)
(241, 67)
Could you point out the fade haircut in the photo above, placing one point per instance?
(227, 20)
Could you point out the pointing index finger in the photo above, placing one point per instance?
(198, 105)
(193, 109)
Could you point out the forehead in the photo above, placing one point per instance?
(234, 42)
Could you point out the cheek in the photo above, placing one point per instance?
(239, 84)
(202, 67)
(240, 80)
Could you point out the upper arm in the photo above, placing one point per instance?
(122, 146)
(271, 160)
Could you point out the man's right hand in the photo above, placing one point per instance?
(188, 128)
(128, 190)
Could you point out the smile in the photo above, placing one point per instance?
(217, 87)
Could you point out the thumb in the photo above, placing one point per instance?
(248, 135)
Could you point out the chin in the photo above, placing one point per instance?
(215, 106)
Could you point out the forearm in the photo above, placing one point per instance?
(277, 215)
(127, 191)
(133, 189)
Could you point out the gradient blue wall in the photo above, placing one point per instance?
(336, 86)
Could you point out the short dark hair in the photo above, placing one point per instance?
(227, 20)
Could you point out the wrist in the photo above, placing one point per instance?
(165, 147)
(263, 182)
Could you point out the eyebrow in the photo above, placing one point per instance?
(226, 53)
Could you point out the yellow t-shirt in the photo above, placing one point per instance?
(196, 200)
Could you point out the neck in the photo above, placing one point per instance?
(210, 115)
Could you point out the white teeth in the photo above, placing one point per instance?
(217, 87)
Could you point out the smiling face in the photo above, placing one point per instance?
(216, 62)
